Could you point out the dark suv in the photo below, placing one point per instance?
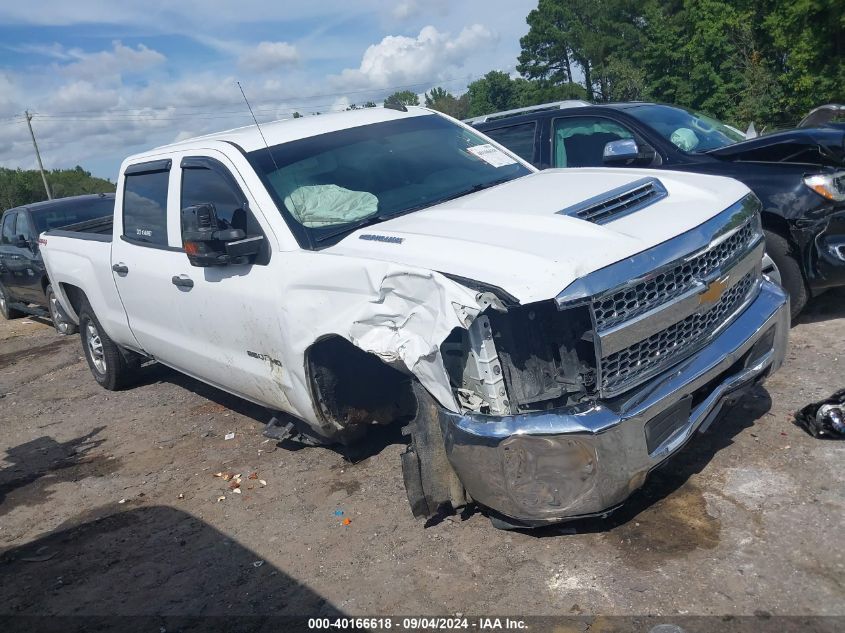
(799, 175)
(24, 286)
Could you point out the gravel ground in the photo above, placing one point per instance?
(109, 505)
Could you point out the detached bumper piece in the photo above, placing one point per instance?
(544, 467)
(825, 418)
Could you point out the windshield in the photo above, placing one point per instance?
(689, 131)
(65, 214)
(327, 185)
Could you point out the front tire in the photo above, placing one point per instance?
(791, 278)
(7, 312)
(111, 367)
(61, 321)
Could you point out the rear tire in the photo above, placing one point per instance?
(7, 312)
(61, 321)
(112, 367)
(791, 277)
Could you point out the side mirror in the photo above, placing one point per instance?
(621, 151)
(626, 151)
(22, 242)
(207, 243)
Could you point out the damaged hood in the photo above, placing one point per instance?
(513, 237)
(815, 146)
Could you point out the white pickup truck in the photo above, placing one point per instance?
(545, 338)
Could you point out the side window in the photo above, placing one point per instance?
(517, 138)
(145, 207)
(580, 141)
(9, 228)
(202, 184)
(22, 227)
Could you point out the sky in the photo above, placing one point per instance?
(105, 79)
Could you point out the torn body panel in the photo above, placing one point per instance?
(398, 315)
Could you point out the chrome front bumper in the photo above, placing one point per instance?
(547, 466)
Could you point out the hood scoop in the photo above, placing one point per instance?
(618, 202)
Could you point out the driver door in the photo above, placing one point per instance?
(227, 317)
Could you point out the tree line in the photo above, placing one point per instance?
(24, 186)
(767, 61)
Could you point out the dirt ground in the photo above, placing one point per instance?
(108, 505)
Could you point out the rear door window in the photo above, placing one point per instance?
(580, 141)
(8, 235)
(22, 227)
(517, 138)
(145, 207)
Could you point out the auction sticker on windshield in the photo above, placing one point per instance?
(492, 155)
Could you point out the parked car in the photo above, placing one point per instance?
(24, 285)
(831, 114)
(544, 340)
(797, 174)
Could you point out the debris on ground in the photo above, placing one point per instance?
(122, 501)
(262, 482)
(221, 498)
(347, 522)
(825, 418)
(237, 491)
(229, 436)
(253, 476)
(338, 513)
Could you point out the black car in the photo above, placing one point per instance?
(24, 286)
(799, 174)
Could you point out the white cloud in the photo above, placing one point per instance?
(122, 96)
(268, 56)
(84, 96)
(399, 60)
(9, 94)
(105, 64)
(404, 10)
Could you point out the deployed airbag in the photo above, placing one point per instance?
(325, 205)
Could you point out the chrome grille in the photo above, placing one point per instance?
(649, 356)
(612, 309)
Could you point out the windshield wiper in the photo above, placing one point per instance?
(431, 203)
(346, 228)
(474, 189)
(376, 218)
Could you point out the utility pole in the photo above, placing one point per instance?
(38, 155)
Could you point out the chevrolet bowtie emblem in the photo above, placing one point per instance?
(713, 292)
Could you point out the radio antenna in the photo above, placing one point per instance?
(266, 144)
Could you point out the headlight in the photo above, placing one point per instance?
(830, 186)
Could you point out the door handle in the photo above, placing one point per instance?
(120, 269)
(182, 281)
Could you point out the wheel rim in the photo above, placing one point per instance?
(95, 347)
(2, 301)
(56, 315)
